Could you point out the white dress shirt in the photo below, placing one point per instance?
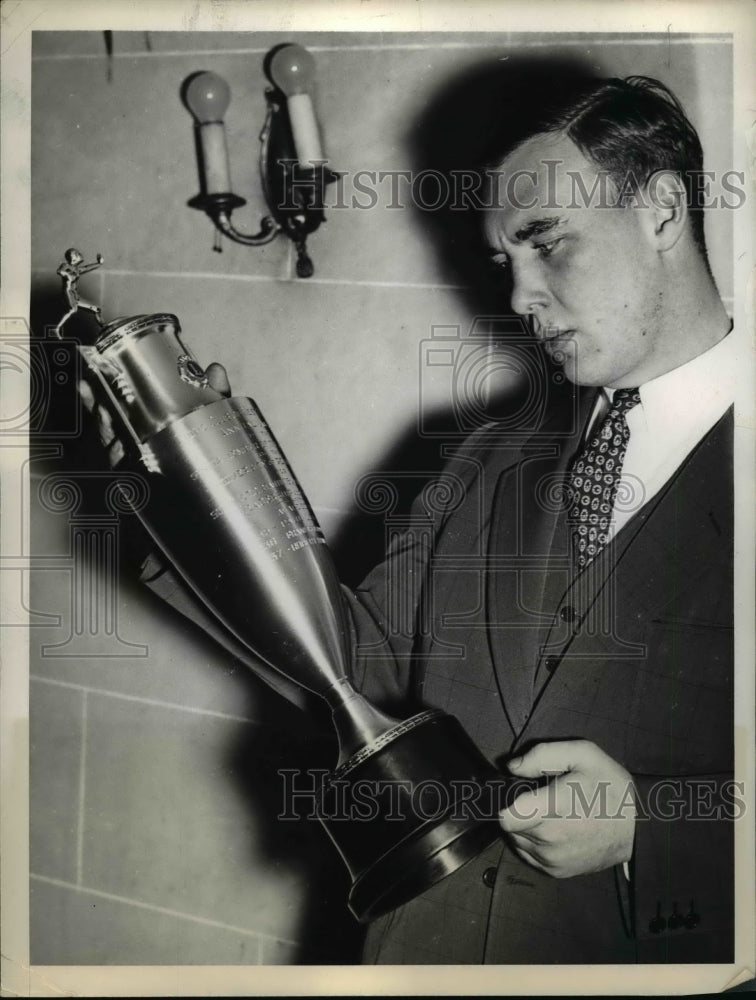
(676, 411)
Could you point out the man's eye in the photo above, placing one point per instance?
(546, 249)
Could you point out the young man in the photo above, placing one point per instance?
(588, 641)
(597, 633)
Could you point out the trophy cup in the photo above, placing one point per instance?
(227, 512)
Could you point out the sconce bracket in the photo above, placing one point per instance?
(294, 192)
(219, 208)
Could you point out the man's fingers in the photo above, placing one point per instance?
(103, 422)
(218, 378)
(101, 415)
(525, 813)
(116, 452)
(104, 425)
(555, 758)
(108, 436)
(531, 809)
(86, 394)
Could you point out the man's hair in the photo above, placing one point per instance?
(630, 128)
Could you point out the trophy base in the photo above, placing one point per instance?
(409, 809)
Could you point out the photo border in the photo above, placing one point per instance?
(18, 21)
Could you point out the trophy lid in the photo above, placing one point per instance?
(134, 326)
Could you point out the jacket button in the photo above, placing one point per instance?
(551, 663)
(692, 919)
(489, 877)
(657, 924)
(568, 613)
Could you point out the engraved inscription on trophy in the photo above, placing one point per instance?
(257, 479)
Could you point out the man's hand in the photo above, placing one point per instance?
(216, 376)
(582, 820)
(103, 421)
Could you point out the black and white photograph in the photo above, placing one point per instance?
(378, 484)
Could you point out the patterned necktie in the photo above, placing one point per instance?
(594, 479)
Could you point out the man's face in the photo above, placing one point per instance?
(588, 273)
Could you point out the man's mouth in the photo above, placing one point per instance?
(553, 339)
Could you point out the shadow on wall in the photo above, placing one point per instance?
(468, 119)
(487, 109)
(288, 739)
(296, 741)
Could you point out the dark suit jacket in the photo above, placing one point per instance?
(634, 654)
(475, 611)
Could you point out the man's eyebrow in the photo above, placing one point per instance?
(537, 228)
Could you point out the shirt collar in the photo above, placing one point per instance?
(697, 392)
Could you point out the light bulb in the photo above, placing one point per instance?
(293, 70)
(208, 97)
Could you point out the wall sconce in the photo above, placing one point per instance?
(292, 166)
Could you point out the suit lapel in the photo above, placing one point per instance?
(527, 550)
(657, 559)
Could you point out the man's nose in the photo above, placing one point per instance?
(530, 294)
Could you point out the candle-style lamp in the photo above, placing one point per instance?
(292, 69)
(292, 165)
(208, 96)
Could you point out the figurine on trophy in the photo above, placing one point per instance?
(249, 546)
(73, 268)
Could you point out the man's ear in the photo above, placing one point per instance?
(667, 200)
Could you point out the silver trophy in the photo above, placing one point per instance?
(226, 510)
